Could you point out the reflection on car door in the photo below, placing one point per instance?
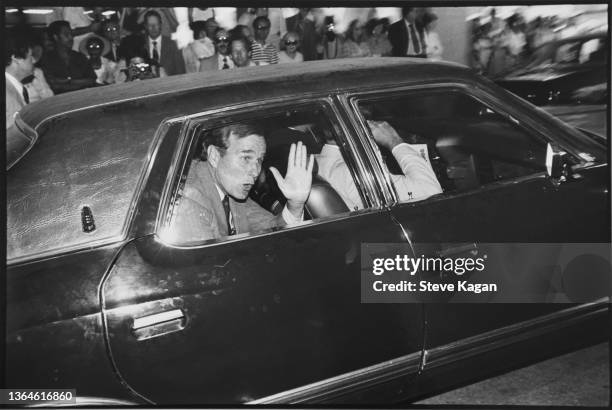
(253, 316)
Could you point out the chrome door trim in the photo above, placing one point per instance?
(439, 356)
(511, 334)
(347, 382)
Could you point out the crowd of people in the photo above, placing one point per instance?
(502, 45)
(81, 50)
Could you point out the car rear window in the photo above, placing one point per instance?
(90, 159)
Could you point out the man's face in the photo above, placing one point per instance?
(94, 48)
(222, 42)
(111, 32)
(237, 170)
(25, 65)
(211, 27)
(240, 54)
(262, 30)
(153, 27)
(411, 16)
(64, 38)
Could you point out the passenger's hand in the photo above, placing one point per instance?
(384, 134)
(296, 184)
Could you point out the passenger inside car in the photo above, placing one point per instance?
(468, 143)
(416, 181)
(215, 199)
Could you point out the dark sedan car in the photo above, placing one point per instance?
(106, 296)
(568, 71)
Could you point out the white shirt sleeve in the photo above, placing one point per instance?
(290, 219)
(418, 181)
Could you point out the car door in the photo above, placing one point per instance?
(272, 317)
(498, 196)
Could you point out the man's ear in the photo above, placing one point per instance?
(213, 155)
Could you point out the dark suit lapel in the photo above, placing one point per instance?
(209, 187)
(405, 38)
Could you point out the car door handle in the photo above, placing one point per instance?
(158, 324)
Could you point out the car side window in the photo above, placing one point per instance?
(227, 187)
(465, 143)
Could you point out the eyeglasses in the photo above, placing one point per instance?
(221, 40)
(111, 29)
(263, 28)
(291, 43)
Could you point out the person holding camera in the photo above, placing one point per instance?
(331, 45)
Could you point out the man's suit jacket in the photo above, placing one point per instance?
(14, 102)
(398, 36)
(200, 214)
(171, 58)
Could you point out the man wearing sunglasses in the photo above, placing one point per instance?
(221, 60)
(262, 52)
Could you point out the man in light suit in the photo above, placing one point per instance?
(221, 60)
(161, 48)
(19, 64)
(215, 200)
(406, 36)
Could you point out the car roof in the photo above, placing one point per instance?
(269, 81)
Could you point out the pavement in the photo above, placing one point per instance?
(580, 378)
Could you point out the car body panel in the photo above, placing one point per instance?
(54, 335)
(256, 311)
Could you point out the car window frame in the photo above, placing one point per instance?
(209, 119)
(350, 102)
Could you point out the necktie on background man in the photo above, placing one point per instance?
(415, 40)
(225, 65)
(26, 95)
(155, 55)
(231, 230)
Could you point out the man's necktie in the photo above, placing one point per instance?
(225, 65)
(231, 230)
(155, 52)
(415, 40)
(26, 96)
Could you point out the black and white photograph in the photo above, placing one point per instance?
(369, 203)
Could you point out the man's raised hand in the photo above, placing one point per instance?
(296, 184)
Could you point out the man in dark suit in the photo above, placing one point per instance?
(221, 60)
(161, 48)
(406, 36)
(215, 200)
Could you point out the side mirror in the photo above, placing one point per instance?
(557, 166)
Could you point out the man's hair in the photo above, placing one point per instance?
(260, 19)
(242, 39)
(406, 10)
(197, 27)
(15, 45)
(152, 13)
(219, 136)
(55, 28)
